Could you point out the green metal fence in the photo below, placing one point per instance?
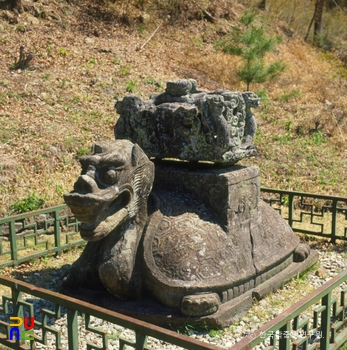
(31, 235)
(311, 214)
(75, 317)
(50, 231)
(316, 321)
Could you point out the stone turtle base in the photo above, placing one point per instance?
(231, 310)
(151, 311)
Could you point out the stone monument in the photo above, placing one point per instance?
(190, 124)
(169, 216)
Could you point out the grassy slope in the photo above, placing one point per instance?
(55, 111)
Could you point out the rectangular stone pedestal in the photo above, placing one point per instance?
(224, 191)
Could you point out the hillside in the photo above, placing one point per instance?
(86, 57)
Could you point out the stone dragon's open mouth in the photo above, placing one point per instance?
(100, 210)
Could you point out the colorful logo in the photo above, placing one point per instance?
(28, 328)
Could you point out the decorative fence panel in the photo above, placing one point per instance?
(31, 235)
(316, 321)
(62, 322)
(318, 215)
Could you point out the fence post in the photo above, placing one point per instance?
(141, 340)
(291, 209)
(325, 322)
(284, 335)
(72, 329)
(57, 231)
(17, 310)
(333, 221)
(13, 243)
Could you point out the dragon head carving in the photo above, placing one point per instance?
(113, 188)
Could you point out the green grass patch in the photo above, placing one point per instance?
(30, 203)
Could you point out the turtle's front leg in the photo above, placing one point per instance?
(84, 271)
(118, 269)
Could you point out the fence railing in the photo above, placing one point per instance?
(26, 236)
(60, 321)
(50, 231)
(316, 321)
(318, 215)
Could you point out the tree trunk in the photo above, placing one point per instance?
(16, 5)
(318, 14)
(262, 5)
(317, 20)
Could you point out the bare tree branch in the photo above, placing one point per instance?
(148, 40)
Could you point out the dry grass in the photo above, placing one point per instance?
(46, 272)
(53, 112)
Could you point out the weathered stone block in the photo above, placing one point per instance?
(190, 124)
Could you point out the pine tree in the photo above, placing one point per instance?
(250, 42)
